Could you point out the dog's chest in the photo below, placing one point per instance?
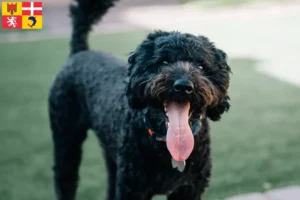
(166, 178)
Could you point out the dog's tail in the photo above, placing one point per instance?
(84, 14)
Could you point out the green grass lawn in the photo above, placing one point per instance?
(256, 144)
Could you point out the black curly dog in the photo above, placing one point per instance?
(150, 117)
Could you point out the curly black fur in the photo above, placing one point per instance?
(89, 93)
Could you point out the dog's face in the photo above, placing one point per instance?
(173, 71)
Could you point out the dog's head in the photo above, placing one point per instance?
(174, 71)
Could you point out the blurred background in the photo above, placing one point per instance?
(256, 146)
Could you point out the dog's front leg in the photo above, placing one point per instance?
(188, 192)
(131, 180)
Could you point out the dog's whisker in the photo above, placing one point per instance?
(145, 81)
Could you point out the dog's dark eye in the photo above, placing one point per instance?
(165, 62)
(199, 67)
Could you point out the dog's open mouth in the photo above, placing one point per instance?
(180, 139)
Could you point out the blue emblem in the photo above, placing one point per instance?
(33, 19)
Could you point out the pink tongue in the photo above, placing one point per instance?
(180, 139)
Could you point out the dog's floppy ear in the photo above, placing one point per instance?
(137, 63)
(222, 82)
(214, 113)
(143, 52)
(135, 73)
(134, 100)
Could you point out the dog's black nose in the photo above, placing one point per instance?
(183, 85)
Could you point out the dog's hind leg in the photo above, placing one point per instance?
(68, 131)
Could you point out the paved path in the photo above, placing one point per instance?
(288, 193)
(268, 33)
(56, 22)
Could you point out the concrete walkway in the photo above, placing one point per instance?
(269, 33)
(289, 193)
(56, 20)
